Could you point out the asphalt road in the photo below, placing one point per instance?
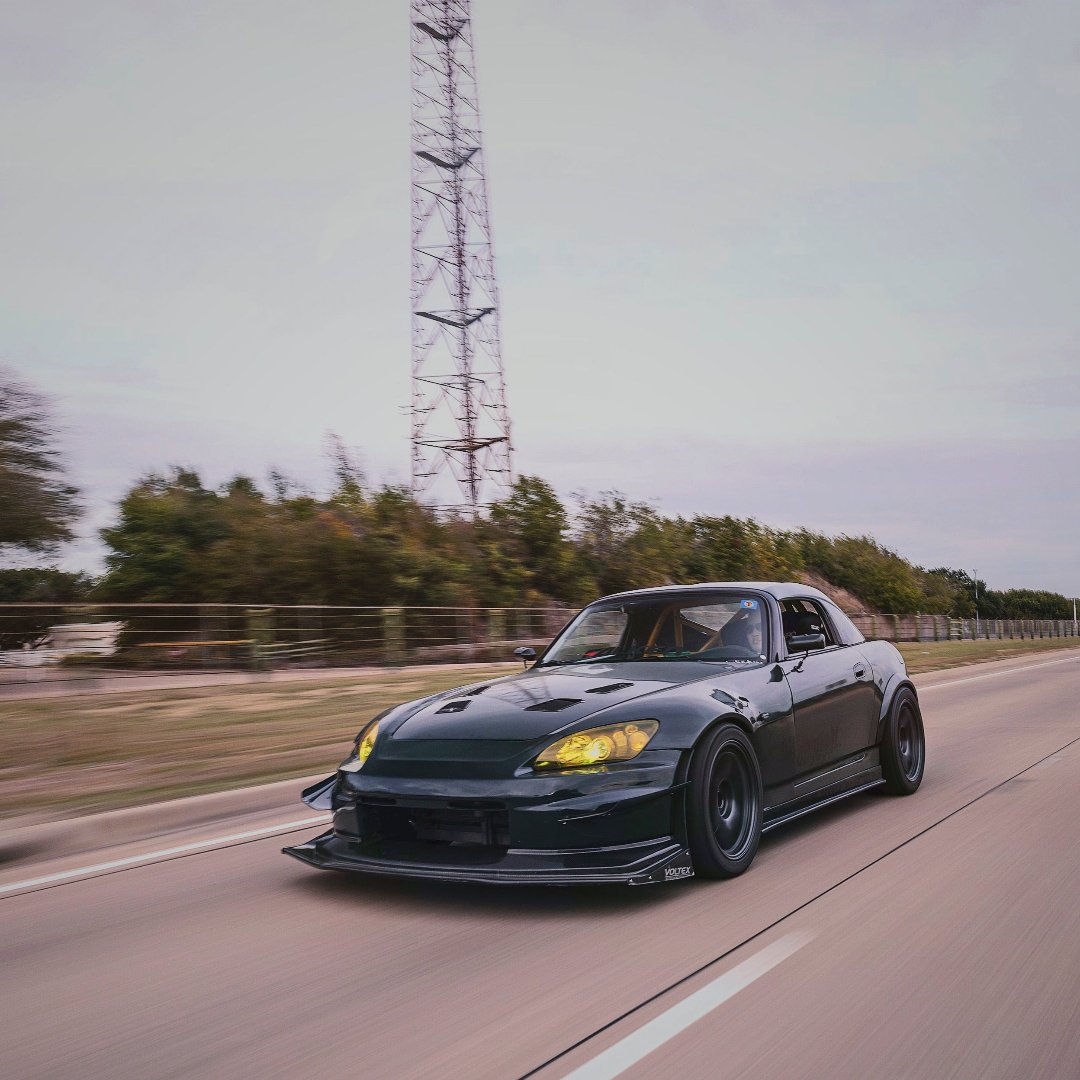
(934, 936)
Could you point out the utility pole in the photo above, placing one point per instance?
(461, 446)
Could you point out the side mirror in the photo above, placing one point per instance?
(525, 654)
(805, 642)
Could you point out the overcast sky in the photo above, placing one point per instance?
(812, 262)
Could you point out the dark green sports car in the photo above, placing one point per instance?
(657, 737)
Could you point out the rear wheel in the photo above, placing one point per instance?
(724, 803)
(903, 748)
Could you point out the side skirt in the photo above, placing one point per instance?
(790, 815)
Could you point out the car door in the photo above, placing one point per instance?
(832, 692)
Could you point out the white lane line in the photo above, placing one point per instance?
(994, 674)
(629, 1051)
(164, 853)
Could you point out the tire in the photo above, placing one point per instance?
(903, 746)
(724, 803)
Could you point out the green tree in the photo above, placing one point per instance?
(41, 585)
(35, 585)
(1024, 604)
(37, 504)
(161, 544)
(951, 592)
(863, 566)
(627, 545)
(730, 549)
(532, 528)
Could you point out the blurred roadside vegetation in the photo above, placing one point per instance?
(37, 504)
(176, 540)
(83, 752)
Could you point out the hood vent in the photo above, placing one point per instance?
(454, 706)
(556, 704)
(478, 691)
(610, 688)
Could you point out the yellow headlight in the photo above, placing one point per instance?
(599, 746)
(365, 743)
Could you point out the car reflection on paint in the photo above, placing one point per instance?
(657, 737)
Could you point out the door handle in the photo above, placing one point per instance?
(860, 671)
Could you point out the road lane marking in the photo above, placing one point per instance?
(994, 674)
(164, 853)
(651, 1036)
(551, 1061)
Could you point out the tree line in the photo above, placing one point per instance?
(177, 540)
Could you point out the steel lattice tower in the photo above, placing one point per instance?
(460, 420)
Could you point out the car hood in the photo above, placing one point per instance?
(542, 701)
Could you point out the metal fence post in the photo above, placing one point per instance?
(260, 632)
(393, 627)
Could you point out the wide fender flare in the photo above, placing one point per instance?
(743, 722)
(892, 688)
(682, 776)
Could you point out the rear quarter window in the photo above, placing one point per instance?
(846, 631)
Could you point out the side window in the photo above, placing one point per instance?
(805, 617)
(846, 630)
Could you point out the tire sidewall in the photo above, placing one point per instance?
(709, 858)
(897, 780)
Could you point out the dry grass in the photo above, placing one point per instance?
(88, 752)
(934, 655)
(93, 751)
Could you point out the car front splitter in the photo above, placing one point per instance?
(650, 863)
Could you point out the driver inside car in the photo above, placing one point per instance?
(744, 631)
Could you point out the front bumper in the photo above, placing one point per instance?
(620, 824)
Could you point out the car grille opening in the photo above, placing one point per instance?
(455, 822)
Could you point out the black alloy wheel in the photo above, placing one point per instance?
(724, 803)
(903, 749)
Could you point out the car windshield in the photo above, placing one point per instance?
(714, 626)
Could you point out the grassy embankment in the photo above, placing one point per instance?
(93, 751)
(935, 655)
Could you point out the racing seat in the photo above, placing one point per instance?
(802, 622)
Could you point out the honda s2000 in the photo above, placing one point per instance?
(657, 737)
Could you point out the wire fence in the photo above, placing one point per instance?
(151, 638)
(185, 637)
(944, 628)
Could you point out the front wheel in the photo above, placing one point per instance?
(724, 803)
(903, 748)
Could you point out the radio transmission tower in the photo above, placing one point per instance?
(460, 420)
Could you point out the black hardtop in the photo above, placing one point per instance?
(779, 590)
